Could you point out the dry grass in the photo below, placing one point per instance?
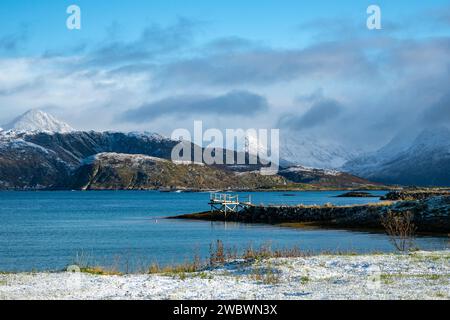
(100, 271)
(179, 269)
(219, 256)
(266, 252)
(266, 275)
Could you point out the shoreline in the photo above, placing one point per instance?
(429, 216)
(313, 225)
(418, 275)
(311, 189)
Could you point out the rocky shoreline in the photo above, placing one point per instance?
(431, 215)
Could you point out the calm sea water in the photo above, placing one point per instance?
(47, 230)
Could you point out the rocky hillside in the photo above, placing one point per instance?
(24, 165)
(47, 160)
(322, 177)
(124, 171)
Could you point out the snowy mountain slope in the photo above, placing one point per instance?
(37, 121)
(305, 150)
(308, 151)
(40, 160)
(75, 146)
(26, 165)
(424, 161)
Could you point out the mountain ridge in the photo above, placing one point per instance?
(424, 161)
(68, 159)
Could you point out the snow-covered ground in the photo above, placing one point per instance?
(422, 275)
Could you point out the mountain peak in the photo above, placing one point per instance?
(37, 121)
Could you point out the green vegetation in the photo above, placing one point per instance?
(442, 295)
(304, 280)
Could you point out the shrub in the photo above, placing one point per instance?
(400, 228)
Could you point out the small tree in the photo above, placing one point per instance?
(400, 228)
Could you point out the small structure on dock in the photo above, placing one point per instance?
(229, 203)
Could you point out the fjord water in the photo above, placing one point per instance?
(127, 229)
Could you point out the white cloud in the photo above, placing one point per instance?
(383, 83)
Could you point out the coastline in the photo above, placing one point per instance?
(418, 275)
(305, 188)
(430, 215)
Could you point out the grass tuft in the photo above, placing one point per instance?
(100, 271)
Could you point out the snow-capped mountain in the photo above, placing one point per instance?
(423, 160)
(37, 121)
(304, 150)
(309, 151)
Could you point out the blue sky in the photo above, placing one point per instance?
(277, 23)
(311, 67)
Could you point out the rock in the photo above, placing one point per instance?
(415, 194)
(356, 194)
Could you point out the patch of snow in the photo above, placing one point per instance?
(187, 163)
(134, 158)
(18, 143)
(151, 135)
(329, 172)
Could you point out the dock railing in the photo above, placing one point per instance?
(225, 203)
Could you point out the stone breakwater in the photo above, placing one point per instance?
(430, 215)
(414, 194)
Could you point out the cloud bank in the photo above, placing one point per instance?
(233, 103)
(358, 88)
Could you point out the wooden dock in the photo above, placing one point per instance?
(229, 203)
